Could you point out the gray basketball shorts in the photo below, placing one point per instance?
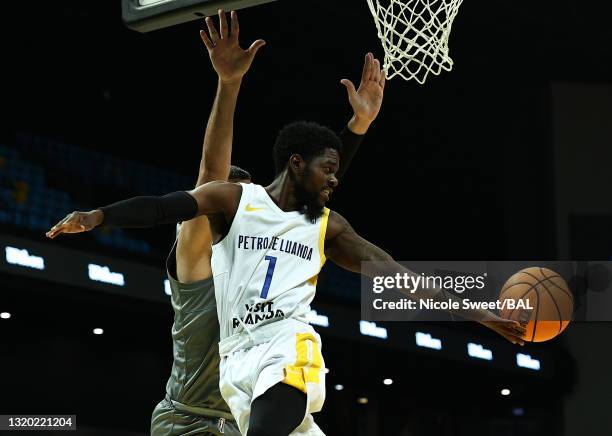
(168, 421)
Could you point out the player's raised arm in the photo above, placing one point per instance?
(231, 63)
(347, 249)
(366, 102)
(212, 198)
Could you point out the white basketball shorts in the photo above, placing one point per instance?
(286, 351)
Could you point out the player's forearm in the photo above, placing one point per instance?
(350, 144)
(217, 148)
(395, 270)
(383, 265)
(147, 211)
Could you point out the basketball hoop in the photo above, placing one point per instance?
(414, 35)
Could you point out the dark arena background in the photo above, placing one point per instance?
(506, 157)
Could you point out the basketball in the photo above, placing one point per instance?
(540, 299)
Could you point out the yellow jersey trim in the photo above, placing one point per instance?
(322, 232)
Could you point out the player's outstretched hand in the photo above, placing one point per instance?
(367, 99)
(229, 60)
(511, 330)
(76, 222)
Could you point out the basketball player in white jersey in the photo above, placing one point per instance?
(270, 244)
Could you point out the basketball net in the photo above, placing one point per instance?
(414, 35)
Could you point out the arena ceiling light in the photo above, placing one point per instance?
(338, 387)
(362, 400)
(98, 331)
(505, 392)
(5, 315)
(387, 382)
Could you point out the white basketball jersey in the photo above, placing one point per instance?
(266, 268)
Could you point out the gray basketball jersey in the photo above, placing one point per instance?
(194, 382)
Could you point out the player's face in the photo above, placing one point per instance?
(320, 176)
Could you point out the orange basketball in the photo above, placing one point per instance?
(547, 302)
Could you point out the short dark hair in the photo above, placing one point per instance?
(308, 139)
(238, 173)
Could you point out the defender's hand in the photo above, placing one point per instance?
(367, 100)
(229, 60)
(511, 330)
(77, 222)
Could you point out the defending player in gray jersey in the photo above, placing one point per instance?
(193, 403)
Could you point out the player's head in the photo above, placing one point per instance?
(238, 175)
(310, 153)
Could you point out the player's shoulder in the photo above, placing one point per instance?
(336, 224)
(217, 196)
(220, 188)
(224, 184)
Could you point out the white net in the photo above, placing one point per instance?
(414, 35)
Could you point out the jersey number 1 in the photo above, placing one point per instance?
(266, 286)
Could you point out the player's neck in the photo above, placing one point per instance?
(282, 192)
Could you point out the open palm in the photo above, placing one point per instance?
(229, 60)
(367, 99)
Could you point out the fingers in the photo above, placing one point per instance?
(214, 36)
(375, 71)
(515, 332)
(517, 327)
(511, 330)
(207, 42)
(252, 50)
(72, 223)
(54, 230)
(514, 327)
(235, 26)
(365, 73)
(513, 337)
(372, 71)
(350, 88)
(223, 24)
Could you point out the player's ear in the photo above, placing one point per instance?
(297, 163)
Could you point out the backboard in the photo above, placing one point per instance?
(147, 15)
